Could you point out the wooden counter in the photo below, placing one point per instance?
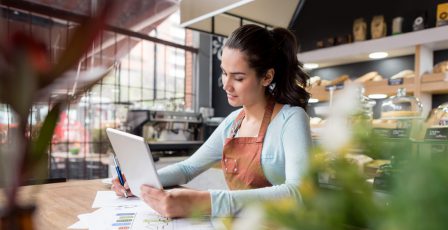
(59, 204)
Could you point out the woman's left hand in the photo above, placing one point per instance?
(176, 202)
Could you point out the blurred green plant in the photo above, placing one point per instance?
(27, 76)
(416, 198)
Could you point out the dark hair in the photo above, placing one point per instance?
(276, 49)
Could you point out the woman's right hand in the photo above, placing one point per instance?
(120, 189)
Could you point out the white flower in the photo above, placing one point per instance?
(337, 132)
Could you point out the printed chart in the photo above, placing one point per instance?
(123, 221)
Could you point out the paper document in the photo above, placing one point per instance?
(118, 213)
(118, 218)
(110, 199)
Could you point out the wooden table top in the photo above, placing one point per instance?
(59, 204)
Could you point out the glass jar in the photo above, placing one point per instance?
(401, 106)
(367, 105)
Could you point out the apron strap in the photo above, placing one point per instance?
(266, 119)
(237, 123)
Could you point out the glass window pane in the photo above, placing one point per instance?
(148, 64)
(161, 71)
(135, 94)
(124, 94)
(148, 94)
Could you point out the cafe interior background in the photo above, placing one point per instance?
(165, 82)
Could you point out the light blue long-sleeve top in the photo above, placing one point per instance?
(284, 159)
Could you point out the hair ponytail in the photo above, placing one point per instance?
(290, 80)
(274, 49)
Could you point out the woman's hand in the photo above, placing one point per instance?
(119, 189)
(177, 202)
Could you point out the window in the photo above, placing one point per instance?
(148, 74)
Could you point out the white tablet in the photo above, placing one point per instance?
(135, 160)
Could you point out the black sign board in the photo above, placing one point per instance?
(335, 87)
(437, 134)
(392, 133)
(398, 81)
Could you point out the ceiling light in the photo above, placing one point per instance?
(313, 100)
(377, 96)
(378, 55)
(310, 65)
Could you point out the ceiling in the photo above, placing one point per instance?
(221, 17)
(136, 15)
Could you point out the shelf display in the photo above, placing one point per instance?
(359, 30)
(442, 14)
(376, 84)
(378, 27)
(398, 45)
(419, 23)
(397, 24)
(421, 82)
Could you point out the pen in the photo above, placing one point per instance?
(120, 177)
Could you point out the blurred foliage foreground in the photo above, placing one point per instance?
(416, 198)
(29, 76)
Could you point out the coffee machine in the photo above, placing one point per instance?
(167, 131)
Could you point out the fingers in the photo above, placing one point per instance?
(153, 193)
(128, 189)
(155, 198)
(119, 189)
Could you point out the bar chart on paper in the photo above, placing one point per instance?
(123, 220)
(127, 220)
(150, 221)
(126, 214)
(157, 222)
(147, 220)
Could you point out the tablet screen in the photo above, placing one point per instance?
(135, 160)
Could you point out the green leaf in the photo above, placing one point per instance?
(38, 155)
(19, 77)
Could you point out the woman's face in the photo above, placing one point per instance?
(240, 82)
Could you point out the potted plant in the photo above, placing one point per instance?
(26, 77)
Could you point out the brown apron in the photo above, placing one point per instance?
(241, 157)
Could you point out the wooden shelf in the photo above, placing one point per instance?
(376, 87)
(421, 44)
(373, 87)
(396, 45)
(319, 92)
(435, 83)
(430, 83)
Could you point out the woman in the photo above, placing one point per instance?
(263, 147)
